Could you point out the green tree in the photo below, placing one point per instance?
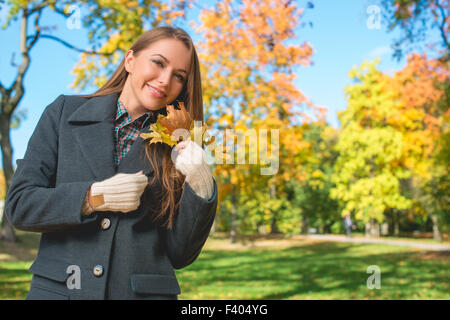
(312, 194)
(367, 172)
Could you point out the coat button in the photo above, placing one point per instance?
(98, 270)
(106, 223)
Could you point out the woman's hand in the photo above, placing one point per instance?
(178, 119)
(121, 192)
(191, 162)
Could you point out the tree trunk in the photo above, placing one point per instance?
(7, 231)
(372, 229)
(396, 225)
(368, 229)
(375, 229)
(233, 217)
(213, 228)
(273, 227)
(304, 227)
(9, 101)
(385, 228)
(436, 233)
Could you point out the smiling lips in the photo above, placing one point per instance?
(158, 93)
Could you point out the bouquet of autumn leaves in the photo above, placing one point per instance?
(163, 128)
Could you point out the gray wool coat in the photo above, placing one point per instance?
(107, 255)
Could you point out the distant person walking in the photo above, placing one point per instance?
(348, 224)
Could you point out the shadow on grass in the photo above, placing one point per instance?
(319, 270)
(309, 270)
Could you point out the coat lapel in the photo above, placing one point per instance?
(93, 130)
(136, 159)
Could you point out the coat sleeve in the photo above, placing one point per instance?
(33, 202)
(191, 227)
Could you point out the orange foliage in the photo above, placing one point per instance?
(248, 59)
(420, 109)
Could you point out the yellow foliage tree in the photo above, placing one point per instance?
(113, 27)
(249, 64)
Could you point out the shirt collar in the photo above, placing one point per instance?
(122, 111)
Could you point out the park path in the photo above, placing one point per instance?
(426, 246)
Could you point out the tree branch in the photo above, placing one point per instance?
(38, 30)
(37, 8)
(17, 86)
(70, 46)
(442, 25)
(61, 12)
(3, 96)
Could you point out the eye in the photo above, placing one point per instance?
(158, 63)
(180, 77)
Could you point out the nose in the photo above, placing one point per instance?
(164, 78)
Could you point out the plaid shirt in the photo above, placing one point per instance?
(126, 131)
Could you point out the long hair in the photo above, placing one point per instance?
(158, 154)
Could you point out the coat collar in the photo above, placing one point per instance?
(96, 109)
(93, 129)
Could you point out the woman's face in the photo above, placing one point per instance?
(157, 74)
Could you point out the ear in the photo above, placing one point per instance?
(129, 61)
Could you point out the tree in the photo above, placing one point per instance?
(312, 194)
(367, 173)
(112, 25)
(249, 60)
(415, 18)
(393, 145)
(422, 115)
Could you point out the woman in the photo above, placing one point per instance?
(116, 214)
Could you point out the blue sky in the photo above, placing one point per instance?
(340, 37)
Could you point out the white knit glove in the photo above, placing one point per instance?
(191, 162)
(121, 192)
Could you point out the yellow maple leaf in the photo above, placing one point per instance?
(157, 133)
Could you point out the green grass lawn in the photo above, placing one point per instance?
(411, 239)
(279, 269)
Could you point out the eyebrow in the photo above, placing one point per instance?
(157, 54)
